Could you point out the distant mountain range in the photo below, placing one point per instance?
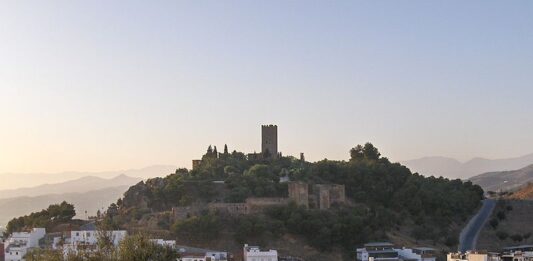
(24, 180)
(504, 180)
(81, 185)
(452, 168)
(90, 201)
(87, 193)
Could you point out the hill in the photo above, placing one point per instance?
(384, 201)
(511, 224)
(81, 185)
(452, 168)
(21, 180)
(504, 180)
(90, 201)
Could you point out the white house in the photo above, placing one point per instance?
(468, 256)
(417, 254)
(377, 251)
(254, 253)
(199, 254)
(87, 239)
(18, 244)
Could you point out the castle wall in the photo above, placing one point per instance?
(259, 204)
(229, 208)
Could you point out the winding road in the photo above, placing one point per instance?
(468, 237)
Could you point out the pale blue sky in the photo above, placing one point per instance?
(101, 85)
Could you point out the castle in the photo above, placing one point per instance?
(317, 196)
(269, 146)
(320, 196)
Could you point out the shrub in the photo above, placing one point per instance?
(494, 223)
(502, 235)
(517, 237)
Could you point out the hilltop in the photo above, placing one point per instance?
(383, 201)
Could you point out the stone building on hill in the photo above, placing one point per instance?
(269, 140)
(299, 193)
(320, 196)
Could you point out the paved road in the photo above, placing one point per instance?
(468, 237)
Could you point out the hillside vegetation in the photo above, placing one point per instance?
(382, 197)
(510, 224)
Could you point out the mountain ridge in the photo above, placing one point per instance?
(504, 180)
(79, 185)
(453, 168)
(90, 201)
(25, 180)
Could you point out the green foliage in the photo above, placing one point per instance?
(198, 228)
(501, 215)
(494, 223)
(133, 248)
(451, 241)
(38, 254)
(368, 152)
(517, 237)
(139, 248)
(324, 229)
(54, 214)
(381, 190)
(256, 227)
(259, 181)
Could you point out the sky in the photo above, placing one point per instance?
(107, 85)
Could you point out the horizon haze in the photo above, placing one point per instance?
(97, 86)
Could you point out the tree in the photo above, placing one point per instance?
(226, 149)
(371, 152)
(356, 152)
(54, 214)
(500, 215)
(516, 237)
(215, 152)
(209, 150)
(502, 235)
(494, 223)
(38, 254)
(139, 248)
(365, 152)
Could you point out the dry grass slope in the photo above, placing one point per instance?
(518, 221)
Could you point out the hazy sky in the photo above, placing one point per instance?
(104, 85)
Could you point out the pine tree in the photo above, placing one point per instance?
(215, 152)
(226, 149)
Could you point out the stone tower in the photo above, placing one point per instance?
(269, 140)
(299, 193)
